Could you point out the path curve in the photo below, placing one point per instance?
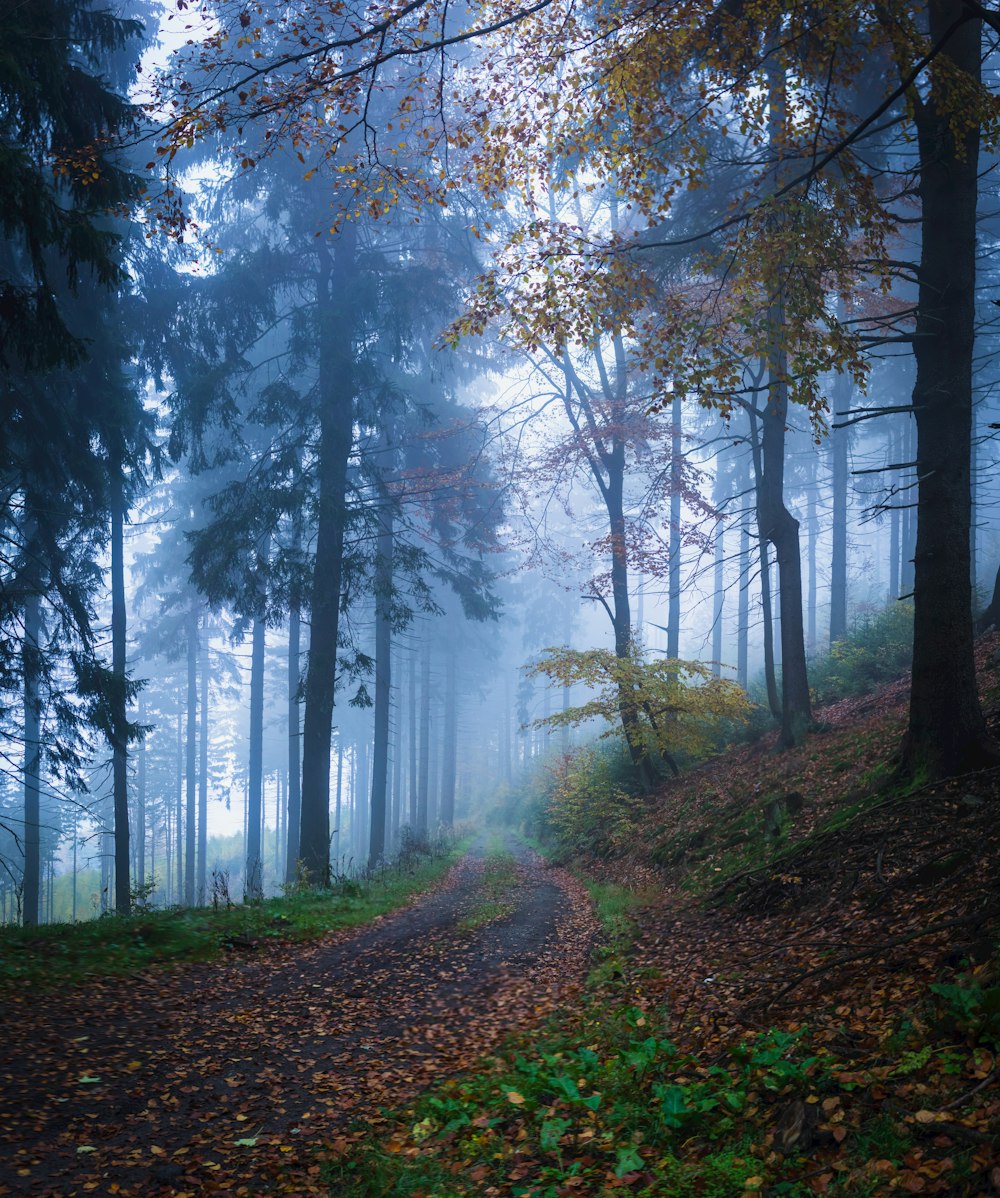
(285, 1053)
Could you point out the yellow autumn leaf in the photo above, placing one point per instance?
(514, 1097)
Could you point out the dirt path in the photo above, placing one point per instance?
(152, 1093)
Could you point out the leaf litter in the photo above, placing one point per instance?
(239, 1076)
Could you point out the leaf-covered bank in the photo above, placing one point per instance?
(809, 1005)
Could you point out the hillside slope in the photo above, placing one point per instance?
(808, 1003)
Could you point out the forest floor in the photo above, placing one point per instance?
(808, 1001)
(236, 1077)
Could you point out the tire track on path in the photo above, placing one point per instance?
(283, 1052)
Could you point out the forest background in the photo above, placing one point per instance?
(361, 356)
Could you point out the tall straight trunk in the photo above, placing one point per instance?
(119, 715)
(973, 517)
(397, 770)
(839, 483)
(745, 568)
(338, 801)
(811, 555)
(946, 733)
(892, 441)
(718, 567)
(674, 542)
(254, 885)
(449, 741)
(777, 524)
(506, 748)
(76, 845)
(362, 791)
(335, 307)
(743, 608)
(908, 548)
(413, 786)
(178, 842)
(781, 529)
(31, 664)
(294, 739)
(424, 764)
(140, 806)
(767, 616)
(202, 870)
(191, 771)
(383, 682)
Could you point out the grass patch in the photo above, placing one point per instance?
(483, 913)
(64, 954)
(498, 878)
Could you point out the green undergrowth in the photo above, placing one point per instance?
(63, 954)
(615, 1098)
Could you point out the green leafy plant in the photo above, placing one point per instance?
(877, 650)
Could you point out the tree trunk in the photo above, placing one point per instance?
(294, 741)
(338, 803)
(674, 541)
(254, 877)
(839, 483)
(424, 764)
(191, 773)
(119, 714)
(946, 732)
(776, 522)
(811, 554)
(894, 518)
(335, 302)
(383, 681)
(412, 786)
(30, 659)
(449, 741)
(202, 869)
(718, 565)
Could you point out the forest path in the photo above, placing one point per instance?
(236, 1077)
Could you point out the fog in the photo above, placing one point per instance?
(408, 402)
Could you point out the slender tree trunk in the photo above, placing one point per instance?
(383, 681)
(743, 609)
(909, 514)
(424, 765)
(414, 789)
(338, 809)
(946, 732)
(894, 519)
(674, 542)
(397, 765)
(840, 481)
(767, 616)
(119, 715)
(335, 302)
(141, 822)
(31, 664)
(507, 763)
(718, 566)
(191, 773)
(294, 740)
(776, 522)
(449, 741)
(179, 813)
(202, 871)
(811, 553)
(254, 885)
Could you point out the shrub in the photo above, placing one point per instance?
(877, 650)
(589, 803)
